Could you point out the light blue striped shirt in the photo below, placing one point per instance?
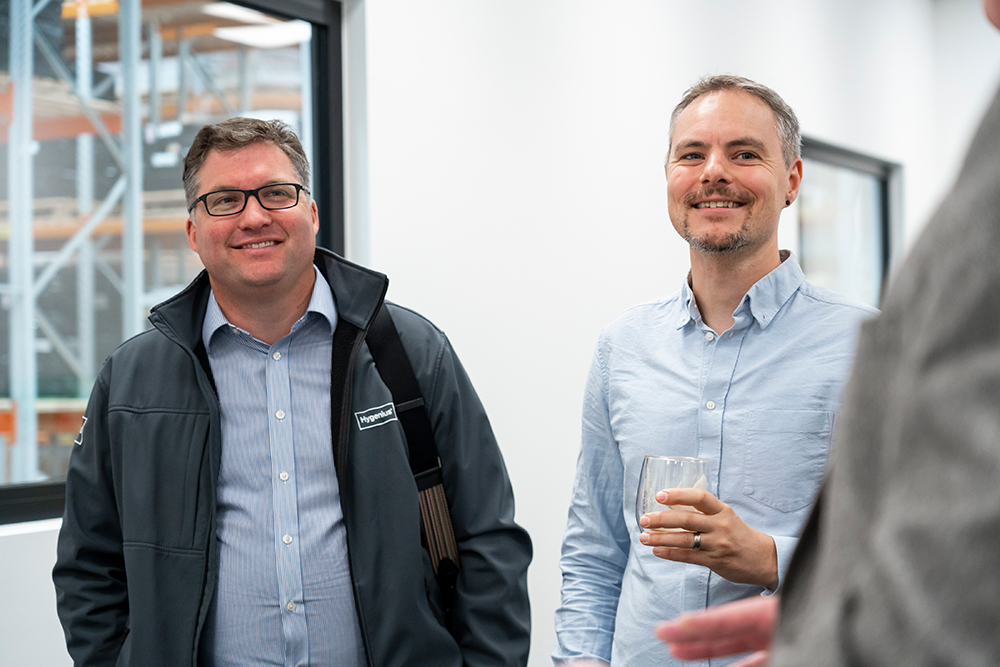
(757, 400)
(284, 594)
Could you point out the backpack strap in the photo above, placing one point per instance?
(394, 367)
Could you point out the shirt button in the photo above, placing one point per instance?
(236, 331)
(710, 405)
(276, 356)
(710, 336)
(280, 414)
(287, 539)
(290, 606)
(283, 476)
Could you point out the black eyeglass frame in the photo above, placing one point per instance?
(246, 198)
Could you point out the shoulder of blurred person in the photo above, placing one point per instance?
(904, 543)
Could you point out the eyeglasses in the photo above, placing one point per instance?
(272, 197)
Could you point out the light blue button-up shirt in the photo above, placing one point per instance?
(757, 400)
(284, 595)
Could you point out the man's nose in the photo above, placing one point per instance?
(716, 169)
(254, 215)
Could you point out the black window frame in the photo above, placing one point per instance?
(889, 176)
(46, 500)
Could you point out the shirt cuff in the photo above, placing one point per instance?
(784, 546)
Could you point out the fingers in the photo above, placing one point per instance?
(758, 659)
(711, 649)
(692, 522)
(687, 555)
(753, 618)
(703, 501)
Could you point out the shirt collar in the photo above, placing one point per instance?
(762, 301)
(321, 302)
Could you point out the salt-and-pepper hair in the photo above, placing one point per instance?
(785, 120)
(234, 134)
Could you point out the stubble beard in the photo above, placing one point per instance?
(741, 238)
(737, 240)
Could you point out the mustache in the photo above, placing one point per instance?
(718, 191)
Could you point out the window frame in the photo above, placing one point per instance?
(46, 500)
(890, 178)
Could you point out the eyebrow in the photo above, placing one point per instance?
(748, 142)
(271, 181)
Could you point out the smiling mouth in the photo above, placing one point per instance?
(719, 204)
(262, 244)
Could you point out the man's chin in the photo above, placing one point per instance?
(719, 245)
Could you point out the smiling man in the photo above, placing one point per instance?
(743, 366)
(243, 496)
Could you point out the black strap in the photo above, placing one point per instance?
(397, 374)
(394, 367)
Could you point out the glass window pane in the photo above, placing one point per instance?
(199, 63)
(840, 230)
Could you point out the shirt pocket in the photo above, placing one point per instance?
(785, 452)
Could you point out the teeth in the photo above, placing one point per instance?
(718, 204)
(264, 244)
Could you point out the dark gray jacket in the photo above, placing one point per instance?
(137, 557)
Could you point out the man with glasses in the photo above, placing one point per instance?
(240, 495)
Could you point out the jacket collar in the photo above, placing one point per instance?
(357, 291)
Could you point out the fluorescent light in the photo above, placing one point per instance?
(267, 36)
(225, 10)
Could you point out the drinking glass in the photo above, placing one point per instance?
(667, 472)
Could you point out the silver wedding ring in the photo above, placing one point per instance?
(697, 541)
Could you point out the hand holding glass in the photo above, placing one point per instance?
(667, 472)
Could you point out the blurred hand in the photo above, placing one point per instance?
(729, 547)
(736, 627)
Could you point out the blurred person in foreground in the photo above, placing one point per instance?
(900, 561)
(240, 494)
(743, 366)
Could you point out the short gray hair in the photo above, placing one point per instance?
(234, 134)
(785, 120)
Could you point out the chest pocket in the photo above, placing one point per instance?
(785, 452)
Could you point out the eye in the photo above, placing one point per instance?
(746, 155)
(279, 193)
(691, 156)
(221, 199)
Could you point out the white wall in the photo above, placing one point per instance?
(966, 70)
(29, 630)
(507, 159)
(516, 190)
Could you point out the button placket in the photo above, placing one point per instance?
(284, 488)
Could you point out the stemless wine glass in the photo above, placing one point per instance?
(667, 472)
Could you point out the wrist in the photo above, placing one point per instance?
(769, 569)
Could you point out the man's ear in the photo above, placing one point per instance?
(794, 181)
(191, 234)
